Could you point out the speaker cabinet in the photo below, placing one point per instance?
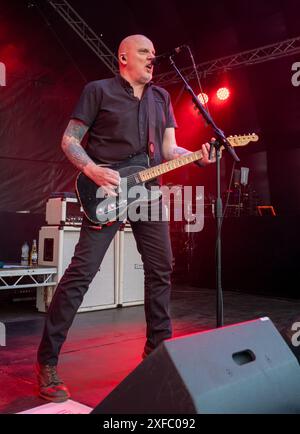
(131, 271)
(244, 368)
(56, 249)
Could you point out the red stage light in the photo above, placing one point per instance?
(223, 93)
(203, 97)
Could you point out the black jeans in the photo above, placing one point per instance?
(153, 243)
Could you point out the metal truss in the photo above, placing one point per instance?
(245, 58)
(94, 41)
(17, 278)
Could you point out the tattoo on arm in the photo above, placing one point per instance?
(175, 150)
(180, 151)
(183, 151)
(71, 144)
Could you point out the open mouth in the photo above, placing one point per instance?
(149, 67)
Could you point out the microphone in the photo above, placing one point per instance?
(161, 57)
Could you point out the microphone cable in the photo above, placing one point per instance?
(197, 76)
(207, 109)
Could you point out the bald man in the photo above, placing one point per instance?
(115, 114)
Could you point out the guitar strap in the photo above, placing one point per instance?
(153, 149)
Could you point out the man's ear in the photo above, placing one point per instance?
(123, 59)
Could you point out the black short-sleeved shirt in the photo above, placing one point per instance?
(118, 120)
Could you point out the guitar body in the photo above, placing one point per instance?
(100, 209)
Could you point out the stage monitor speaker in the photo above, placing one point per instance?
(244, 368)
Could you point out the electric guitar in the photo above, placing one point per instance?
(101, 209)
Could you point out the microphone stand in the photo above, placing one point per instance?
(216, 144)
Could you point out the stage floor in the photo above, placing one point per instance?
(104, 347)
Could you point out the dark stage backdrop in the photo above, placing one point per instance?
(259, 255)
(32, 165)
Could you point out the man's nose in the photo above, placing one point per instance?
(151, 57)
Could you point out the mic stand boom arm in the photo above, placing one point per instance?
(217, 144)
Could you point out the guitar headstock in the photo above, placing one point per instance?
(242, 140)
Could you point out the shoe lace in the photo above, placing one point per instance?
(51, 374)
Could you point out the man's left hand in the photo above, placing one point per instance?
(205, 161)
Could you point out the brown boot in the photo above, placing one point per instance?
(147, 350)
(51, 387)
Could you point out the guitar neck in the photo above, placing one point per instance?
(161, 169)
(154, 172)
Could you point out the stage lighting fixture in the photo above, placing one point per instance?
(203, 97)
(223, 93)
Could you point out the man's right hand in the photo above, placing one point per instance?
(104, 177)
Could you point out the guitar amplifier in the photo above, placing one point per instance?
(63, 211)
(56, 249)
(131, 270)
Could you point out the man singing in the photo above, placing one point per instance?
(115, 113)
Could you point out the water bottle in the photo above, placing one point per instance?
(25, 254)
(33, 255)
